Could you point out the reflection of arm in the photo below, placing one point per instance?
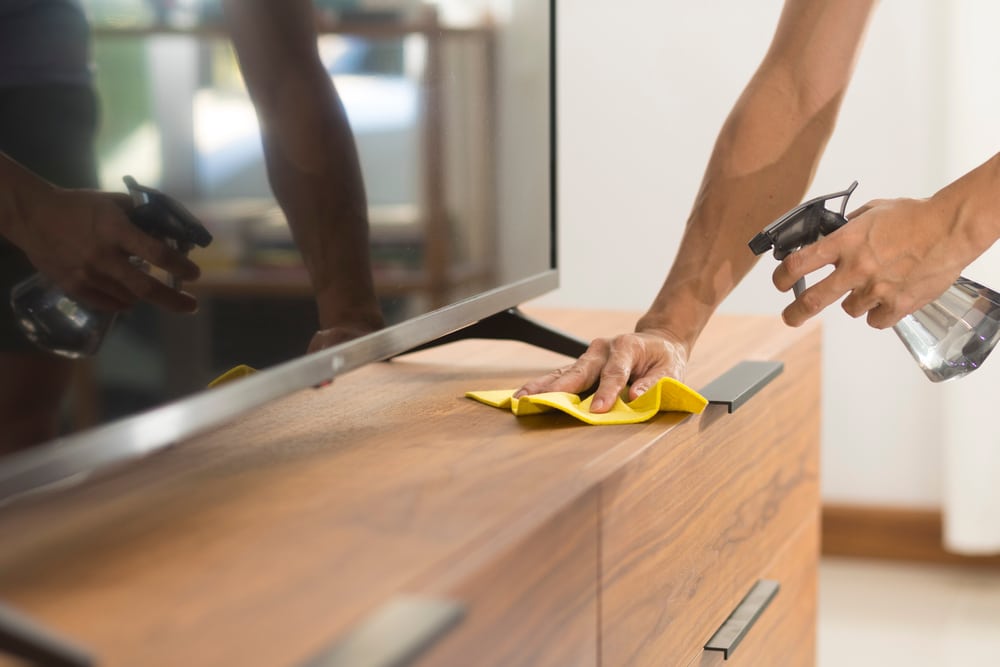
(763, 160)
(312, 161)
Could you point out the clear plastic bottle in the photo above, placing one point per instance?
(952, 336)
(55, 322)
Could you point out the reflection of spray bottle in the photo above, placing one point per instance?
(57, 323)
(949, 337)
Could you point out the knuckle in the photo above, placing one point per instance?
(809, 303)
(794, 262)
(883, 293)
(865, 265)
(623, 349)
(598, 348)
(567, 371)
(614, 371)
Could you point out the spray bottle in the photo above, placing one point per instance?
(63, 326)
(949, 337)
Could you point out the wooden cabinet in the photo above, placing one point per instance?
(689, 525)
(284, 538)
(535, 604)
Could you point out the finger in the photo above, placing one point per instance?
(573, 379)
(578, 376)
(883, 316)
(859, 302)
(877, 317)
(814, 300)
(176, 301)
(801, 263)
(133, 241)
(159, 254)
(143, 286)
(614, 376)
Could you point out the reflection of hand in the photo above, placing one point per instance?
(341, 333)
(894, 257)
(83, 241)
(644, 357)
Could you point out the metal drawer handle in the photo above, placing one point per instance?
(393, 635)
(737, 385)
(728, 637)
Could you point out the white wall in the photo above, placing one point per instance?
(643, 90)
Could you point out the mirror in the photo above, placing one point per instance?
(449, 103)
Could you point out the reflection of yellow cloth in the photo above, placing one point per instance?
(232, 374)
(667, 395)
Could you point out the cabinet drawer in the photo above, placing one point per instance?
(688, 523)
(535, 605)
(785, 632)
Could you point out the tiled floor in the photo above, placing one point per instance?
(876, 613)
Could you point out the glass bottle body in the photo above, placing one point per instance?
(55, 322)
(952, 336)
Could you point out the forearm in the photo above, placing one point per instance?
(312, 160)
(970, 208)
(763, 160)
(761, 166)
(322, 195)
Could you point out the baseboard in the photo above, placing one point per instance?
(890, 533)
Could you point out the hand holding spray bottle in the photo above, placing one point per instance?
(949, 337)
(63, 326)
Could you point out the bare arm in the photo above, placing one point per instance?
(762, 163)
(312, 160)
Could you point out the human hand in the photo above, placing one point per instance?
(344, 331)
(642, 357)
(83, 241)
(894, 257)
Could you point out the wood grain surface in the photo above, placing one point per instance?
(262, 542)
(536, 605)
(785, 633)
(688, 525)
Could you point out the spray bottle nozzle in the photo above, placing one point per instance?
(801, 226)
(164, 217)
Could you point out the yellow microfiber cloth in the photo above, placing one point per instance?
(667, 395)
(232, 374)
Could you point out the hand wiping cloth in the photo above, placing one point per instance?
(667, 395)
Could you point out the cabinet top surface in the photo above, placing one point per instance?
(325, 503)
